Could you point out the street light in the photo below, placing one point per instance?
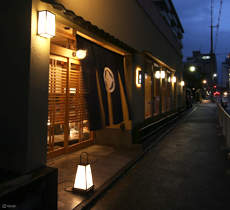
(215, 75)
(204, 81)
(192, 68)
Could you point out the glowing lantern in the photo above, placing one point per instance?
(162, 74)
(81, 54)
(169, 79)
(83, 180)
(157, 74)
(46, 24)
(173, 79)
(182, 83)
(138, 77)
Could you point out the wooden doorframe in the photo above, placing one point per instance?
(67, 55)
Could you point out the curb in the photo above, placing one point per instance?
(86, 204)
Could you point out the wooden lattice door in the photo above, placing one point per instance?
(67, 112)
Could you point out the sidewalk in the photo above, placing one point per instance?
(187, 170)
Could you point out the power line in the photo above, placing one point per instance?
(218, 23)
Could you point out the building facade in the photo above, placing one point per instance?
(100, 73)
(224, 76)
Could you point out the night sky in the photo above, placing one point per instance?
(196, 20)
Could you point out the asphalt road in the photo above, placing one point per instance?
(188, 170)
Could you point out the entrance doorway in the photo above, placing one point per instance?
(68, 124)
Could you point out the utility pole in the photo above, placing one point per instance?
(211, 51)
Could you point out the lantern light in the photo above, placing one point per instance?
(182, 83)
(46, 24)
(83, 180)
(162, 74)
(81, 54)
(157, 75)
(138, 77)
(173, 79)
(169, 79)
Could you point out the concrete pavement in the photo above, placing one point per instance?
(187, 170)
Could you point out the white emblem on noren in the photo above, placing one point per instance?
(109, 80)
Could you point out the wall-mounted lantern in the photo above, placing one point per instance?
(169, 79)
(81, 54)
(157, 74)
(138, 77)
(83, 180)
(160, 74)
(173, 79)
(182, 83)
(46, 24)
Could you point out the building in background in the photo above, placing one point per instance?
(91, 74)
(224, 77)
(203, 69)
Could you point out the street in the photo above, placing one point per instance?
(187, 170)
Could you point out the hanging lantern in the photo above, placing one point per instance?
(83, 179)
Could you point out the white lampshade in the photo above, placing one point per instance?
(83, 179)
(46, 24)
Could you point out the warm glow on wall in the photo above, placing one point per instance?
(46, 24)
(138, 77)
(81, 54)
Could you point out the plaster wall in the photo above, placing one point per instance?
(127, 21)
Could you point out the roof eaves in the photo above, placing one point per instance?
(90, 27)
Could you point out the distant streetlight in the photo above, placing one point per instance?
(204, 81)
(215, 75)
(192, 68)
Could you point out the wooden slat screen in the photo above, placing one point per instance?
(57, 91)
(67, 111)
(77, 105)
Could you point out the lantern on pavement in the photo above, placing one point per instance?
(83, 179)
